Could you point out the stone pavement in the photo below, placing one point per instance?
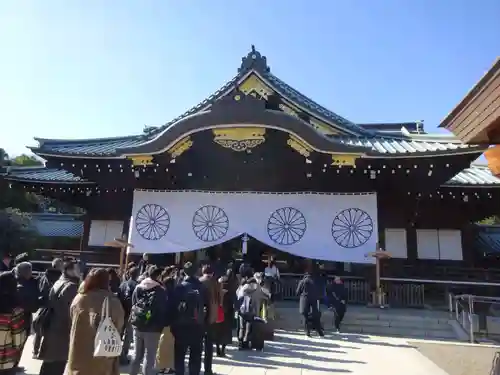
(294, 354)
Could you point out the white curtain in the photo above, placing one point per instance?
(340, 227)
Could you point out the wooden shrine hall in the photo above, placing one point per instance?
(257, 134)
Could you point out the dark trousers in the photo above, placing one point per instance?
(37, 340)
(339, 315)
(312, 319)
(182, 343)
(11, 371)
(244, 329)
(52, 368)
(209, 348)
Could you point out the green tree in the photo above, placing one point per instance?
(492, 220)
(26, 161)
(16, 233)
(4, 158)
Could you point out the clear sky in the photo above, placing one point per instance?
(93, 68)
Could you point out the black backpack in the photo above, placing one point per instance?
(142, 312)
(190, 307)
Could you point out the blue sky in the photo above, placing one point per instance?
(79, 69)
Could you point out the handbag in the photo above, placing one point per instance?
(220, 314)
(107, 342)
(42, 318)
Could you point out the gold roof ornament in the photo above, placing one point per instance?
(180, 147)
(141, 159)
(298, 145)
(239, 138)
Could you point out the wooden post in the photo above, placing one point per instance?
(379, 296)
(122, 244)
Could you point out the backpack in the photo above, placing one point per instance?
(142, 313)
(246, 305)
(190, 307)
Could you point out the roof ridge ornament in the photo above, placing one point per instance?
(254, 60)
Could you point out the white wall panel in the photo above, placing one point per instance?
(114, 229)
(395, 242)
(428, 244)
(102, 231)
(450, 244)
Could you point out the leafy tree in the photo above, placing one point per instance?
(26, 160)
(16, 233)
(4, 158)
(492, 220)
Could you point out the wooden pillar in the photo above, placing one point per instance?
(411, 244)
(84, 240)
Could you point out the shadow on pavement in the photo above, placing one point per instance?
(289, 352)
(367, 340)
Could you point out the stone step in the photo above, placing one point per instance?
(400, 332)
(387, 315)
(441, 318)
(437, 325)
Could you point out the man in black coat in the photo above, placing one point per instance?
(125, 293)
(337, 299)
(188, 328)
(45, 283)
(48, 278)
(28, 294)
(309, 295)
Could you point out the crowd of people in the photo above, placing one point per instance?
(167, 313)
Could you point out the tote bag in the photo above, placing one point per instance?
(107, 342)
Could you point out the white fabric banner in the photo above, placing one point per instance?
(335, 227)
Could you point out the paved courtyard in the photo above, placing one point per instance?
(294, 354)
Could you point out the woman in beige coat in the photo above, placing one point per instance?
(85, 318)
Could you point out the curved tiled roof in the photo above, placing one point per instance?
(313, 107)
(475, 175)
(478, 175)
(413, 144)
(58, 228)
(44, 175)
(371, 137)
(88, 147)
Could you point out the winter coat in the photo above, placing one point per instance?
(55, 342)
(159, 305)
(46, 281)
(125, 292)
(224, 330)
(308, 292)
(256, 293)
(28, 294)
(143, 266)
(4, 267)
(195, 330)
(214, 297)
(85, 315)
(336, 293)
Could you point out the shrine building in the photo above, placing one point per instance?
(258, 158)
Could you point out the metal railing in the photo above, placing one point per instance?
(477, 315)
(398, 292)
